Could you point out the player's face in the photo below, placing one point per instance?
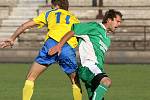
(114, 24)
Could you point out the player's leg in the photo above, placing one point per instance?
(67, 60)
(102, 83)
(86, 76)
(98, 84)
(41, 63)
(89, 91)
(76, 87)
(34, 72)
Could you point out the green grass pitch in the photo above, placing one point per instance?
(129, 82)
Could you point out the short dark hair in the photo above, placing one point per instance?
(111, 14)
(63, 4)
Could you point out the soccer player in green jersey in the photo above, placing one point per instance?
(93, 44)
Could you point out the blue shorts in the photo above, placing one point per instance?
(67, 58)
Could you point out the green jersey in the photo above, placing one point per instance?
(93, 43)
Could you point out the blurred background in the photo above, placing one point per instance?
(130, 44)
(127, 60)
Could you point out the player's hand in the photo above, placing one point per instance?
(6, 43)
(54, 50)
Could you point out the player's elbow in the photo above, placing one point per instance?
(28, 24)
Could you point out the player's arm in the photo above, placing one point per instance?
(10, 41)
(77, 29)
(22, 28)
(64, 39)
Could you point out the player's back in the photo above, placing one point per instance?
(60, 22)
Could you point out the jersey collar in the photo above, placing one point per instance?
(103, 26)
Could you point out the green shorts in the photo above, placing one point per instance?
(87, 75)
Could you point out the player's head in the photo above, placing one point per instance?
(62, 4)
(112, 20)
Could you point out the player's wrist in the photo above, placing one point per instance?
(60, 45)
(11, 41)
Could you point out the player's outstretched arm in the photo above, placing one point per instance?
(64, 39)
(10, 41)
(22, 28)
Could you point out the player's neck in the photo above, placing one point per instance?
(57, 7)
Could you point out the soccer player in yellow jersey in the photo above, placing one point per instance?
(59, 21)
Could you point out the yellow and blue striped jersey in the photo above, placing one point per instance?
(59, 22)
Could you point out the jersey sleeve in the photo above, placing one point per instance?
(75, 20)
(84, 28)
(40, 20)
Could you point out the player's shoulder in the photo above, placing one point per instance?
(56, 10)
(46, 12)
(65, 12)
(50, 10)
(96, 24)
(91, 23)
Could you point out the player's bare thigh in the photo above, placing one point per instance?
(35, 70)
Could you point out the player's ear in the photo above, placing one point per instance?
(109, 20)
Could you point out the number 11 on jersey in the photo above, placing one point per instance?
(58, 16)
